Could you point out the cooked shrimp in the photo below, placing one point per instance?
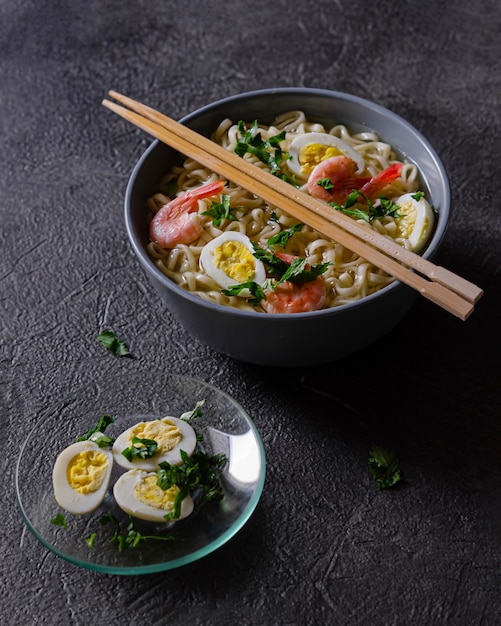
(341, 171)
(176, 222)
(291, 297)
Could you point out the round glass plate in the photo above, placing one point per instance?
(226, 428)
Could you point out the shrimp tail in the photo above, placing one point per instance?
(373, 188)
(187, 201)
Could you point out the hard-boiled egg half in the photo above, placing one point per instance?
(81, 476)
(309, 149)
(137, 493)
(171, 435)
(229, 260)
(416, 221)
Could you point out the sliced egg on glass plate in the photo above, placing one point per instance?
(309, 149)
(229, 259)
(171, 435)
(416, 221)
(137, 493)
(81, 475)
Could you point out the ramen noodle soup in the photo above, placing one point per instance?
(227, 246)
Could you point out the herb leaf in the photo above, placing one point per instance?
(194, 413)
(256, 291)
(220, 211)
(96, 433)
(59, 520)
(373, 211)
(384, 466)
(132, 538)
(268, 152)
(297, 271)
(417, 196)
(281, 238)
(112, 343)
(145, 449)
(198, 472)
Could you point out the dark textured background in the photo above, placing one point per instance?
(324, 546)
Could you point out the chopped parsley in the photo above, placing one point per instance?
(384, 466)
(112, 343)
(297, 272)
(140, 448)
(417, 196)
(96, 434)
(220, 211)
(189, 416)
(131, 538)
(59, 520)
(256, 291)
(281, 238)
(267, 151)
(373, 211)
(200, 472)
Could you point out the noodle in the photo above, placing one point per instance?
(348, 277)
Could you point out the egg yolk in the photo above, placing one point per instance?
(315, 153)
(148, 492)
(235, 260)
(407, 222)
(165, 433)
(86, 471)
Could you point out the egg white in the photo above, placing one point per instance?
(424, 220)
(258, 275)
(173, 457)
(67, 497)
(325, 139)
(123, 491)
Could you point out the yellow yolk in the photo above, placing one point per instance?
(166, 434)
(86, 471)
(148, 492)
(313, 154)
(235, 260)
(407, 222)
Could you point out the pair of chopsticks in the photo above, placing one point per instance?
(439, 285)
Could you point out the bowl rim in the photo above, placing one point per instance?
(150, 267)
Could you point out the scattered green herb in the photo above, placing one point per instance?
(112, 343)
(268, 152)
(256, 291)
(281, 238)
(90, 540)
(131, 538)
(96, 433)
(220, 211)
(384, 466)
(194, 413)
(297, 272)
(59, 520)
(373, 211)
(325, 183)
(144, 449)
(417, 196)
(172, 188)
(198, 472)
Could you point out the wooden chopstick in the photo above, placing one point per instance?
(444, 288)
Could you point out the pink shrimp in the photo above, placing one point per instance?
(177, 222)
(289, 297)
(341, 171)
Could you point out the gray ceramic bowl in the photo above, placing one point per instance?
(294, 339)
